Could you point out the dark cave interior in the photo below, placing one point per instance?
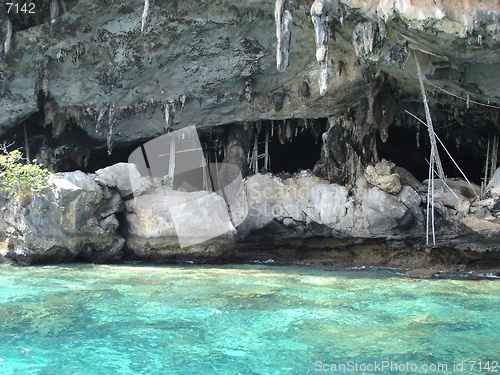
(291, 149)
(300, 153)
(467, 149)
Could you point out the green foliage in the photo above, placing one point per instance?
(16, 174)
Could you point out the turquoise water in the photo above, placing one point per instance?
(252, 319)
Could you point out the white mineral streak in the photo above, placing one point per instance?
(8, 37)
(54, 10)
(111, 127)
(144, 15)
(283, 19)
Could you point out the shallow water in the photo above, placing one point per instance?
(251, 319)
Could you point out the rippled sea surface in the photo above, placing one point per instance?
(251, 319)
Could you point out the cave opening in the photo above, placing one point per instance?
(300, 151)
(100, 157)
(467, 148)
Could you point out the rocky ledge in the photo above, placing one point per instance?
(380, 221)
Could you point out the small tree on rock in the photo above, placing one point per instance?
(17, 173)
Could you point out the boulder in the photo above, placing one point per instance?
(453, 193)
(167, 224)
(492, 192)
(330, 201)
(406, 178)
(125, 178)
(411, 199)
(69, 219)
(383, 213)
(303, 202)
(381, 176)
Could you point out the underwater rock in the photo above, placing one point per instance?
(422, 273)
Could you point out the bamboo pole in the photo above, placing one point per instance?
(434, 160)
(430, 126)
(266, 152)
(494, 156)
(255, 153)
(486, 166)
(26, 145)
(171, 163)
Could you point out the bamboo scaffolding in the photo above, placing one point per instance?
(451, 157)
(433, 160)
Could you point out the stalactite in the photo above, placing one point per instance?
(182, 101)
(255, 153)
(323, 78)
(288, 130)
(171, 163)
(169, 115)
(54, 10)
(281, 132)
(248, 90)
(144, 15)
(322, 12)
(8, 37)
(283, 17)
(267, 164)
(111, 127)
(100, 116)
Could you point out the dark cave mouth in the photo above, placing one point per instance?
(292, 145)
(466, 149)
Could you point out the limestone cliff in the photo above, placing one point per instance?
(327, 85)
(114, 74)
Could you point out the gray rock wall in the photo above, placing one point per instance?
(99, 218)
(71, 219)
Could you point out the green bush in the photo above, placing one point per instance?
(17, 174)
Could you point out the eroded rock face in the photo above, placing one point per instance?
(72, 218)
(104, 71)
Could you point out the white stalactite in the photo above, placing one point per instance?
(100, 116)
(322, 12)
(144, 15)
(54, 10)
(8, 37)
(169, 115)
(283, 19)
